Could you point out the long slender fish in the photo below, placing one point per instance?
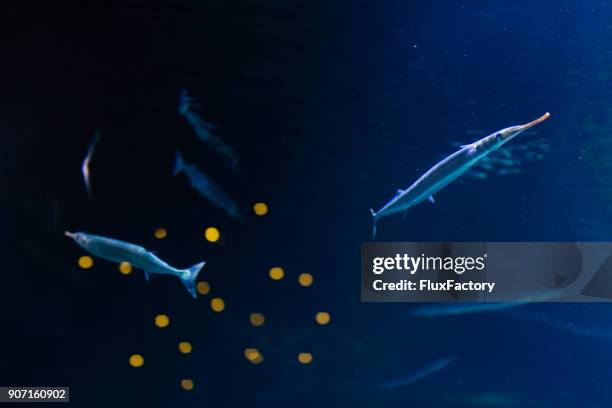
(85, 171)
(447, 170)
(203, 129)
(207, 189)
(422, 372)
(455, 309)
(119, 251)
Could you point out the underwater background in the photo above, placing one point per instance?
(331, 106)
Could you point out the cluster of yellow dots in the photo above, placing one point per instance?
(136, 360)
(254, 356)
(277, 273)
(162, 321)
(217, 304)
(257, 319)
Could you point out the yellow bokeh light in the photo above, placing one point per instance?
(257, 319)
(136, 360)
(185, 347)
(260, 208)
(85, 262)
(125, 268)
(212, 234)
(217, 304)
(203, 287)
(161, 233)
(322, 317)
(187, 384)
(305, 358)
(253, 355)
(305, 279)
(162, 320)
(277, 273)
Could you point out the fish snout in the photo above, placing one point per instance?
(70, 234)
(535, 122)
(514, 131)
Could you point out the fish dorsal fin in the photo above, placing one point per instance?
(398, 193)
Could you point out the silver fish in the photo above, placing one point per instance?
(447, 170)
(120, 251)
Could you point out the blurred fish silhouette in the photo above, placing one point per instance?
(462, 308)
(203, 129)
(576, 329)
(201, 183)
(85, 171)
(419, 373)
(508, 159)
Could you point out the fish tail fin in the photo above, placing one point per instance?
(178, 163)
(374, 225)
(192, 275)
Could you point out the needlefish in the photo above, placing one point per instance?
(120, 251)
(448, 169)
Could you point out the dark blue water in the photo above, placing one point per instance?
(332, 106)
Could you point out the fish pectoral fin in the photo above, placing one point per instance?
(431, 199)
(146, 275)
(404, 214)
